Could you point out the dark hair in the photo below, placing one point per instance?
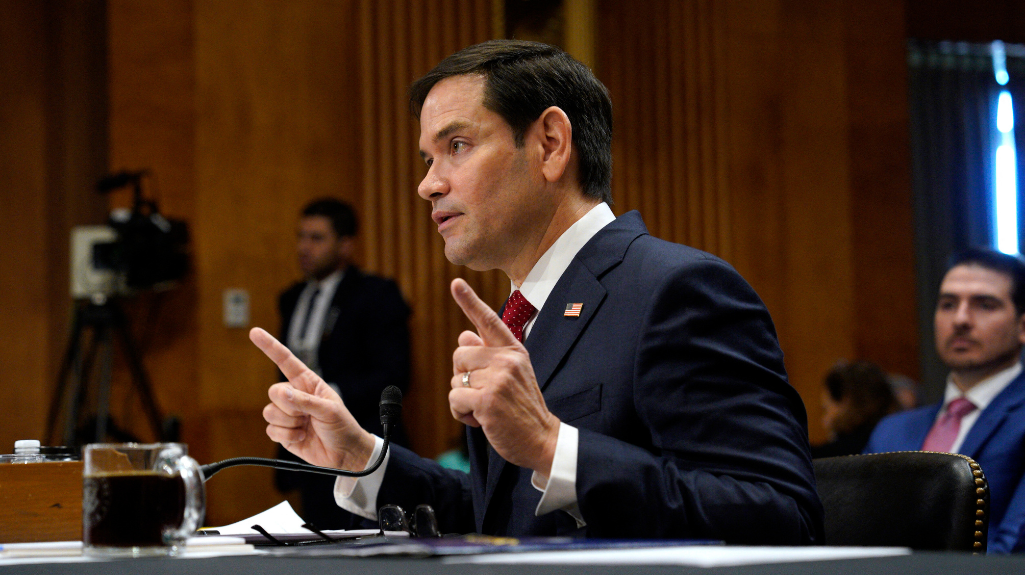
(867, 391)
(521, 80)
(341, 214)
(1011, 266)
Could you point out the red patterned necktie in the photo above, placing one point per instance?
(516, 314)
(943, 433)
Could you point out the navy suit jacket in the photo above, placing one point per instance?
(675, 379)
(996, 441)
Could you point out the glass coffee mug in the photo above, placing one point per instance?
(139, 499)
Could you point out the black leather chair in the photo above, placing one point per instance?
(917, 499)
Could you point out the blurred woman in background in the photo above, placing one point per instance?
(855, 396)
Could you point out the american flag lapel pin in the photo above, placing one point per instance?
(573, 310)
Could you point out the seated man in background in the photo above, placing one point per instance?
(980, 331)
(855, 396)
(350, 328)
(631, 388)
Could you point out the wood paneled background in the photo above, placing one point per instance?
(770, 132)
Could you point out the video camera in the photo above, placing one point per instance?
(138, 249)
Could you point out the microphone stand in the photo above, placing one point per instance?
(390, 406)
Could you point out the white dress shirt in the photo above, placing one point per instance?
(306, 344)
(981, 395)
(359, 496)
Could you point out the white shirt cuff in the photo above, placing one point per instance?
(358, 495)
(559, 491)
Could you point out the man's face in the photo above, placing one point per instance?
(486, 194)
(977, 327)
(320, 250)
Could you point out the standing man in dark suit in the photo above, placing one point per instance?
(350, 328)
(980, 331)
(631, 387)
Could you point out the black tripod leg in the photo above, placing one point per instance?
(139, 377)
(80, 392)
(70, 357)
(103, 390)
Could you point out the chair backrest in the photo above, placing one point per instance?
(917, 499)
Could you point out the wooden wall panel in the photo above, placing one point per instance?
(816, 316)
(24, 331)
(755, 157)
(734, 135)
(272, 133)
(77, 136)
(400, 238)
(53, 142)
(276, 126)
(883, 279)
(152, 128)
(670, 118)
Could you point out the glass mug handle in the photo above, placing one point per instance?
(195, 496)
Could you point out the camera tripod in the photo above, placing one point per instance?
(107, 321)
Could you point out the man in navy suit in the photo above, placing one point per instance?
(631, 388)
(980, 331)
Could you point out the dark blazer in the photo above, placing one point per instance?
(675, 379)
(996, 441)
(364, 349)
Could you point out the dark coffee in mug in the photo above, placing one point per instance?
(131, 509)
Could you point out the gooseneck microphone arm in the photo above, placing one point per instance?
(391, 408)
(211, 468)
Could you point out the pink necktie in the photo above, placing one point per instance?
(943, 433)
(516, 314)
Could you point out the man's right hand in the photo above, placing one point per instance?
(308, 417)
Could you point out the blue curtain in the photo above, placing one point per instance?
(953, 105)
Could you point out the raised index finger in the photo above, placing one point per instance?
(491, 328)
(286, 361)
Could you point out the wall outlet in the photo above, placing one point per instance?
(236, 308)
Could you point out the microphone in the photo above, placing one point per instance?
(391, 409)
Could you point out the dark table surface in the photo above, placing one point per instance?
(918, 563)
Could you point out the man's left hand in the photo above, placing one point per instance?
(503, 397)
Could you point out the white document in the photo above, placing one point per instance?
(282, 520)
(278, 519)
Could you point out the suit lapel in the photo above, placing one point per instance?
(553, 334)
(342, 295)
(995, 413)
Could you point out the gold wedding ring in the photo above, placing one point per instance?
(466, 379)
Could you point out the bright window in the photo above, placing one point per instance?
(1005, 201)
